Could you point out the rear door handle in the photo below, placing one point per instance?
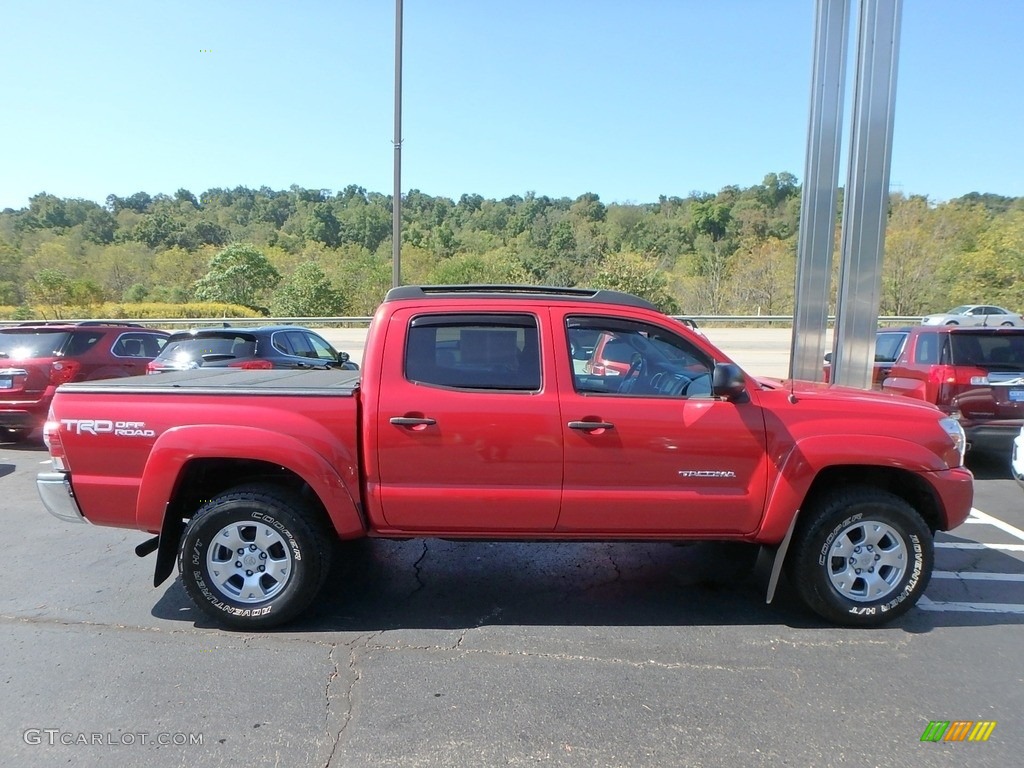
(590, 425)
(409, 421)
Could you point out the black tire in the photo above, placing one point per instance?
(284, 559)
(889, 537)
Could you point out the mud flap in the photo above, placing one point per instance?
(780, 556)
(167, 548)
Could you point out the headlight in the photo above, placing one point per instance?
(956, 434)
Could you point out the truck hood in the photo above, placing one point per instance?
(820, 392)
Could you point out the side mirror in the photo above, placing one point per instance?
(343, 357)
(828, 357)
(728, 381)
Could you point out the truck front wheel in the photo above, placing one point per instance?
(864, 557)
(254, 557)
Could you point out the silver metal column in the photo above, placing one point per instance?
(396, 205)
(820, 190)
(866, 199)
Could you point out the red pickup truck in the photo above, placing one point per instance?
(478, 414)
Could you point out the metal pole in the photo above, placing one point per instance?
(821, 182)
(866, 200)
(396, 208)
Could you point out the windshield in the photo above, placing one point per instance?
(28, 345)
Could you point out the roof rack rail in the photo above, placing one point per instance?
(405, 292)
(31, 323)
(108, 322)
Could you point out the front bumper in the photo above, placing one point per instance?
(58, 496)
(955, 491)
(1017, 458)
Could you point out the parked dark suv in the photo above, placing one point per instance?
(889, 344)
(36, 358)
(264, 347)
(976, 374)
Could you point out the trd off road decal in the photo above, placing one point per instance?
(107, 427)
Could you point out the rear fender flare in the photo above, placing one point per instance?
(179, 445)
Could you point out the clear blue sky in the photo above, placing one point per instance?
(629, 100)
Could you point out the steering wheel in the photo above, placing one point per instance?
(636, 370)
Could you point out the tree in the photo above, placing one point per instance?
(629, 272)
(323, 226)
(763, 278)
(239, 274)
(52, 288)
(992, 271)
(307, 292)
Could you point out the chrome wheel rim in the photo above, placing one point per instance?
(249, 562)
(866, 561)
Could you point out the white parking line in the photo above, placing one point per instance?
(935, 605)
(975, 545)
(980, 518)
(978, 576)
(977, 514)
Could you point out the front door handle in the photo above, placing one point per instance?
(590, 425)
(409, 421)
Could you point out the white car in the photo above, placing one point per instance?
(975, 314)
(1017, 458)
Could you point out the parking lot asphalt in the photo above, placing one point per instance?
(433, 653)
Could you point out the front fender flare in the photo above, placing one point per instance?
(798, 469)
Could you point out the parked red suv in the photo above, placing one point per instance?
(36, 358)
(976, 374)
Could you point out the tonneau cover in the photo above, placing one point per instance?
(225, 381)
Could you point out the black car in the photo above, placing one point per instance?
(274, 346)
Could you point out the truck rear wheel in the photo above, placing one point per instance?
(254, 557)
(864, 557)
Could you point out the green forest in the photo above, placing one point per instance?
(314, 252)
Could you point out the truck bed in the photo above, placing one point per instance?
(215, 381)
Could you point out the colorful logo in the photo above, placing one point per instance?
(958, 730)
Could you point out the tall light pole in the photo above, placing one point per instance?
(396, 208)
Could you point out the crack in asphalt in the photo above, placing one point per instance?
(420, 584)
(354, 677)
(347, 715)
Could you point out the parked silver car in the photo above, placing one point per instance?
(975, 314)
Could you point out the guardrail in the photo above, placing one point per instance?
(359, 321)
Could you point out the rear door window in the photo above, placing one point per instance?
(482, 351)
